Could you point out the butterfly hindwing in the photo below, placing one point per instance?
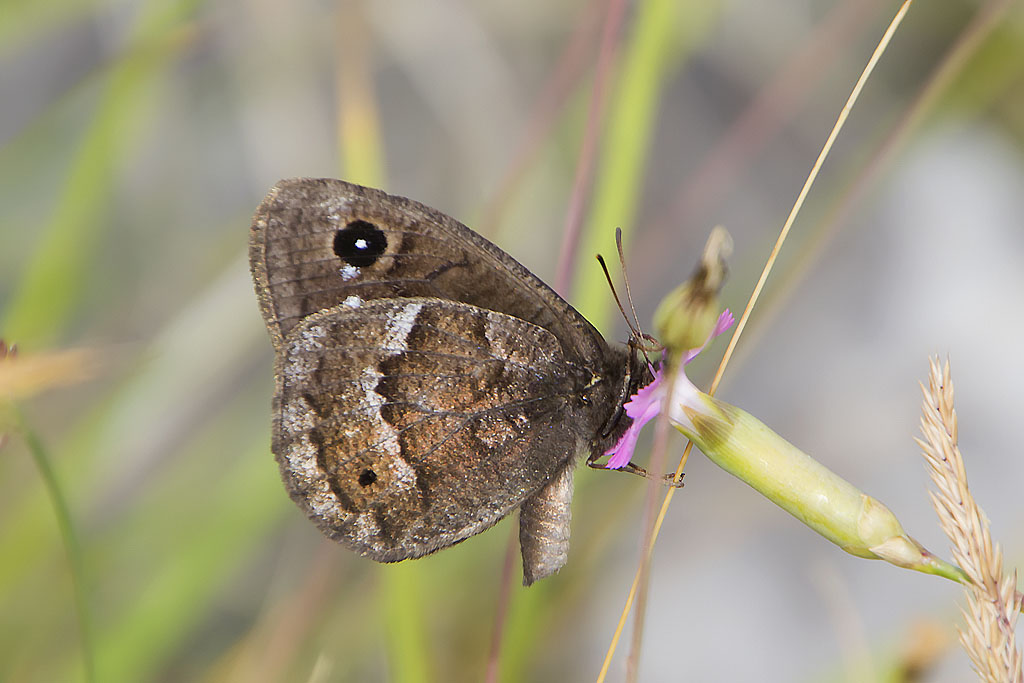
(405, 425)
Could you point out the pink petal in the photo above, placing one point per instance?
(725, 321)
(642, 408)
(645, 405)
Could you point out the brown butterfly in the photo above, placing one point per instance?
(427, 384)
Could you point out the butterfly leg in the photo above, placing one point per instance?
(633, 468)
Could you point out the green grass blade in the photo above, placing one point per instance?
(51, 286)
(72, 547)
(654, 47)
(188, 561)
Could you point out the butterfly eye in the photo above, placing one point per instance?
(360, 243)
(367, 477)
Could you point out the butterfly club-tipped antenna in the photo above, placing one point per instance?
(638, 339)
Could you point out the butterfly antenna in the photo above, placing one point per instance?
(637, 335)
(615, 295)
(625, 280)
(652, 343)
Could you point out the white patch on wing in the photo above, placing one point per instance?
(353, 301)
(398, 328)
(304, 351)
(371, 404)
(404, 476)
(297, 416)
(368, 383)
(496, 341)
(303, 466)
(366, 528)
(310, 339)
(348, 272)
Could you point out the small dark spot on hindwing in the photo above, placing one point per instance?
(367, 477)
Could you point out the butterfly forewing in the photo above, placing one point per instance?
(317, 242)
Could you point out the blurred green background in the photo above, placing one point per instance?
(137, 137)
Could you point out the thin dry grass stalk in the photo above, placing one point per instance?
(993, 602)
(25, 375)
(5, 353)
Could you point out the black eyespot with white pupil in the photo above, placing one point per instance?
(367, 477)
(360, 243)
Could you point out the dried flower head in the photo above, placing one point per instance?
(993, 602)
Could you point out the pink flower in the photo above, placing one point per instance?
(647, 403)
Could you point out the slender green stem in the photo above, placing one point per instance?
(72, 546)
(408, 646)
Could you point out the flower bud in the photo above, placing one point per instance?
(685, 318)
